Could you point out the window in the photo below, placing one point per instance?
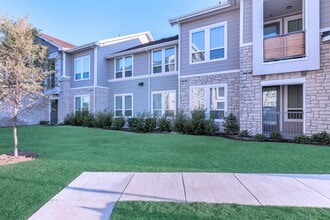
(163, 103)
(124, 67)
(82, 68)
(51, 79)
(212, 98)
(164, 60)
(81, 103)
(293, 23)
(208, 43)
(294, 102)
(272, 29)
(124, 105)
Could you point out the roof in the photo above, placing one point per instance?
(222, 5)
(148, 38)
(142, 47)
(57, 42)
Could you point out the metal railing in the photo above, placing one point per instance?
(289, 123)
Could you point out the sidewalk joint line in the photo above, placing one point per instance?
(126, 187)
(247, 188)
(184, 188)
(309, 187)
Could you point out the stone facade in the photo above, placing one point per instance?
(64, 102)
(231, 79)
(317, 90)
(102, 97)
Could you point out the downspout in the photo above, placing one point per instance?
(179, 66)
(149, 80)
(95, 78)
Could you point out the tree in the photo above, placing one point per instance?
(22, 72)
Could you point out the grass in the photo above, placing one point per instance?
(65, 152)
(191, 211)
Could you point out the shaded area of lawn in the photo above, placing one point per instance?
(65, 152)
(180, 211)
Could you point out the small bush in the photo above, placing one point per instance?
(118, 123)
(243, 133)
(231, 124)
(302, 139)
(260, 137)
(133, 123)
(142, 123)
(103, 119)
(275, 136)
(149, 124)
(197, 122)
(210, 127)
(79, 119)
(164, 123)
(179, 122)
(69, 119)
(88, 120)
(321, 138)
(43, 122)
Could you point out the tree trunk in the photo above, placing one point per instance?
(15, 136)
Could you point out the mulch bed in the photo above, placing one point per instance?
(22, 157)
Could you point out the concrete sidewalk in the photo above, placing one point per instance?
(93, 195)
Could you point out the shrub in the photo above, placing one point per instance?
(302, 139)
(243, 133)
(69, 119)
(79, 119)
(179, 122)
(231, 124)
(196, 125)
(260, 137)
(210, 127)
(164, 123)
(87, 120)
(275, 136)
(103, 119)
(43, 122)
(118, 123)
(142, 123)
(321, 138)
(149, 124)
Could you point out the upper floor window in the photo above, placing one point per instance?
(124, 67)
(51, 78)
(81, 103)
(208, 43)
(82, 68)
(164, 60)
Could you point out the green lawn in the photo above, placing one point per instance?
(65, 152)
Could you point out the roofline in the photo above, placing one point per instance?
(146, 48)
(109, 40)
(177, 20)
(52, 43)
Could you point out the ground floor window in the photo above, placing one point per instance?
(163, 103)
(82, 103)
(212, 98)
(124, 105)
(293, 102)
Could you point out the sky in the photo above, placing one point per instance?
(84, 21)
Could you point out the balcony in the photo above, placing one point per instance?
(283, 47)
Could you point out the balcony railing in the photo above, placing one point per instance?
(282, 47)
(289, 124)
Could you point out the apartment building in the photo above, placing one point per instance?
(265, 61)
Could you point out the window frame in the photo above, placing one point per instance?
(292, 18)
(81, 96)
(163, 110)
(207, 42)
(124, 68)
(207, 106)
(123, 95)
(82, 66)
(163, 59)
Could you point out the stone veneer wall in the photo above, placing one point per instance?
(102, 99)
(317, 93)
(231, 79)
(64, 103)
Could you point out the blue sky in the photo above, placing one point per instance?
(84, 21)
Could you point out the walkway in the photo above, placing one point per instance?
(93, 195)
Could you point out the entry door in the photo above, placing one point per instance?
(54, 112)
(270, 109)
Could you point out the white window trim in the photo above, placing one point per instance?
(123, 71)
(123, 104)
(81, 96)
(279, 20)
(207, 97)
(163, 60)
(75, 68)
(163, 100)
(286, 110)
(291, 18)
(206, 30)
